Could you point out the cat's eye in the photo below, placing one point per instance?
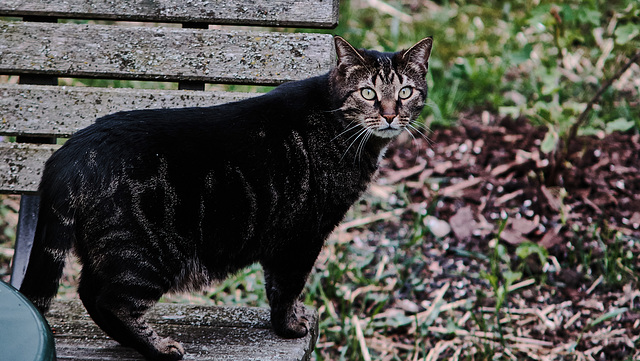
(368, 93)
(405, 92)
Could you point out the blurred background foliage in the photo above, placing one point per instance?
(541, 59)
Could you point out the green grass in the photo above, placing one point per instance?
(508, 57)
(607, 255)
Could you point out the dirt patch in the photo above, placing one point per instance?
(573, 248)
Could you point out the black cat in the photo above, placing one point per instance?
(154, 201)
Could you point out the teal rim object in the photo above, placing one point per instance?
(24, 333)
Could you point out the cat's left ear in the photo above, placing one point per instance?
(417, 57)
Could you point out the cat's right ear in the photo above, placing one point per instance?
(348, 56)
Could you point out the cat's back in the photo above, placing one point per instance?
(190, 140)
(226, 125)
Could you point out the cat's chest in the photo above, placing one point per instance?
(340, 173)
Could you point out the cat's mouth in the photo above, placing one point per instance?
(389, 128)
(388, 131)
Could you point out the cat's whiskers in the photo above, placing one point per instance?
(359, 134)
(362, 144)
(420, 125)
(354, 135)
(349, 128)
(422, 134)
(409, 131)
(342, 108)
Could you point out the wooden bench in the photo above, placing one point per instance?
(190, 43)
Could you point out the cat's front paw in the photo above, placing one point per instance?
(168, 350)
(291, 324)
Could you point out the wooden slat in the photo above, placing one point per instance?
(207, 333)
(61, 111)
(160, 53)
(292, 13)
(21, 166)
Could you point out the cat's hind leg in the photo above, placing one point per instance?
(119, 309)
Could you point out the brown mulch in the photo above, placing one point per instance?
(483, 182)
(495, 166)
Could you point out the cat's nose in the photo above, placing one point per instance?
(389, 117)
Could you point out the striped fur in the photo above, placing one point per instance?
(155, 201)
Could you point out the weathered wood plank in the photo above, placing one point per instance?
(61, 111)
(207, 333)
(21, 166)
(161, 53)
(282, 13)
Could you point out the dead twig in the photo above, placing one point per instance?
(361, 340)
(370, 219)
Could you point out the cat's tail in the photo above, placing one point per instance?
(53, 240)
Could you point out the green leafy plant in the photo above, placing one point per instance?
(616, 264)
(567, 87)
(597, 321)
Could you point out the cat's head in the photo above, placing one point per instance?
(382, 92)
